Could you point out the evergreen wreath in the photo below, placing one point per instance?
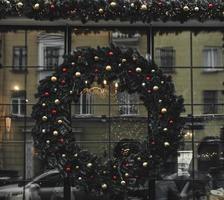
(134, 161)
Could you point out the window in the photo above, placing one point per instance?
(128, 103)
(18, 103)
(85, 106)
(212, 58)
(210, 102)
(50, 52)
(19, 58)
(165, 58)
(51, 56)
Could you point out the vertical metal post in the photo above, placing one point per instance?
(25, 119)
(67, 50)
(192, 110)
(109, 122)
(150, 52)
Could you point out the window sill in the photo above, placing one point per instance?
(207, 71)
(17, 116)
(46, 70)
(19, 71)
(129, 115)
(84, 115)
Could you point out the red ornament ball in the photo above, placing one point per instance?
(54, 111)
(52, 7)
(46, 94)
(110, 53)
(61, 140)
(210, 5)
(63, 82)
(114, 177)
(148, 77)
(64, 69)
(171, 121)
(68, 168)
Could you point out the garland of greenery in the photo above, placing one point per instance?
(130, 72)
(123, 10)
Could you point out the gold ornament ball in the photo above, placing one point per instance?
(89, 165)
(44, 118)
(55, 132)
(138, 69)
(164, 110)
(77, 167)
(70, 92)
(123, 60)
(160, 100)
(143, 7)
(139, 158)
(126, 175)
(108, 68)
(53, 78)
(196, 9)
(101, 10)
(153, 70)
(7, 2)
(19, 4)
(48, 141)
(155, 88)
(104, 186)
(76, 155)
(123, 183)
(162, 82)
(143, 84)
(63, 155)
(60, 121)
(113, 4)
(43, 130)
(166, 144)
(57, 101)
(43, 104)
(77, 74)
(165, 129)
(114, 166)
(132, 5)
(80, 178)
(144, 164)
(36, 6)
(96, 58)
(186, 8)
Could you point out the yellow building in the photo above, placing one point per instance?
(194, 61)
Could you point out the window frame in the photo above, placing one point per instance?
(211, 68)
(21, 66)
(19, 106)
(210, 106)
(127, 104)
(165, 69)
(89, 103)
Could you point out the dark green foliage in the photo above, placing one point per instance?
(134, 162)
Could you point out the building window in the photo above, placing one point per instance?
(210, 102)
(51, 56)
(19, 58)
(212, 58)
(50, 52)
(18, 103)
(165, 58)
(128, 103)
(85, 106)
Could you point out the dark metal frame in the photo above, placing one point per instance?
(150, 29)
